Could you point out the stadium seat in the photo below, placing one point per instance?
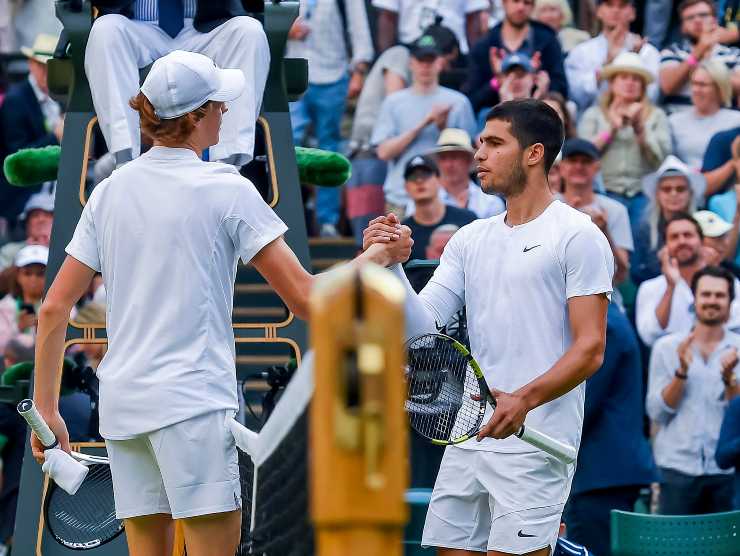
(418, 501)
(666, 535)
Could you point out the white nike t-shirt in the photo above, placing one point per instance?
(515, 283)
(166, 231)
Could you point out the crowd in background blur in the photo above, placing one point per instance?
(648, 92)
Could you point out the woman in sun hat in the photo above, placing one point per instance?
(631, 133)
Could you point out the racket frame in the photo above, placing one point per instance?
(563, 452)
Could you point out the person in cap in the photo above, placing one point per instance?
(516, 33)
(429, 212)
(169, 373)
(673, 189)
(454, 157)
(320, 36)
(19, 308)
(520, 80)
(720, 240)
(701, 41)
(404, 21)
(586, 62)
(29, 117)
(128, 35)
(710, 113)
(631, 133)
(558, 15)
(37, 216)
(410, 120)
(578, 168)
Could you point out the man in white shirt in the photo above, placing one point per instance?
(692, 379)
(665, 304)
(405, 20)
(168, 376)
(584, 63)
(535, 282)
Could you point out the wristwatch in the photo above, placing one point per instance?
(681, 376)
(731, 382)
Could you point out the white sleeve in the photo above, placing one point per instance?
(390, 5)
(581, 75)
(251, 223)
(84, 243)
(619, 227)
(362, 42)
(648, 327)
(588, 262)
(663, 363)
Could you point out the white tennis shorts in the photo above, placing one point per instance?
(497, 501)
(186, 469)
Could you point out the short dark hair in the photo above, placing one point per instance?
(532, 121)
(715, 272)
(685, 216)
(688, 3)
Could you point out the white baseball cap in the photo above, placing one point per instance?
(32, 254)
(712, 225)
(181, 81)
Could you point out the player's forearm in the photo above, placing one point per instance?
(50, 337)
(582, 360)
(663, 310)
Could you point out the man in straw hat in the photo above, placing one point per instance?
(168, 376)
(585, 62)
(29, 117)
(454, 156)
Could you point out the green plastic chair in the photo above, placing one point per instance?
(418, 501)
(675, 535)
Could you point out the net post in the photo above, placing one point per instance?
(359, 431)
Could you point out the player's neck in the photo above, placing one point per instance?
(529, 204)
(429, 213)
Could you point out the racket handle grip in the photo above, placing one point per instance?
(565, 453)
(28, 411)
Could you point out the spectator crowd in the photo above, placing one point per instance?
(649, 95)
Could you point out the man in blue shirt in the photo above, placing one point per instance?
(614, 461)
(728, 445)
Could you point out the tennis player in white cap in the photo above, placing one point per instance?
(166, 231)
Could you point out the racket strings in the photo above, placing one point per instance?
(88, 517)
(444, 401)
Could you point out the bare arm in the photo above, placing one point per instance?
(718, 177)
(673, 392)
(68, 287)
(587, 317)
(663, 310)
(735, 231)
(735, 81)
(387, 26)
(393, 147)
(673, 77)
(277, 263)
(474, 26)
(393, 82)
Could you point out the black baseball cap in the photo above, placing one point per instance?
(425, 46)
(420, 162)
(580, 146)
(599, 2)
(444, 37)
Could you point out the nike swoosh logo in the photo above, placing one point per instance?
(530, 248)
(520, 534)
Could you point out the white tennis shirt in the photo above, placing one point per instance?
(515, 282)
(166, 231)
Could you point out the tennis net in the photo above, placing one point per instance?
(274, 475)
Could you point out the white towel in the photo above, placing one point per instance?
(66, 471)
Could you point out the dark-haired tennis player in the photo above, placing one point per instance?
(536, 282)
(166, 231)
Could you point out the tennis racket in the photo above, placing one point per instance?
(447, 396)
(86, 519)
